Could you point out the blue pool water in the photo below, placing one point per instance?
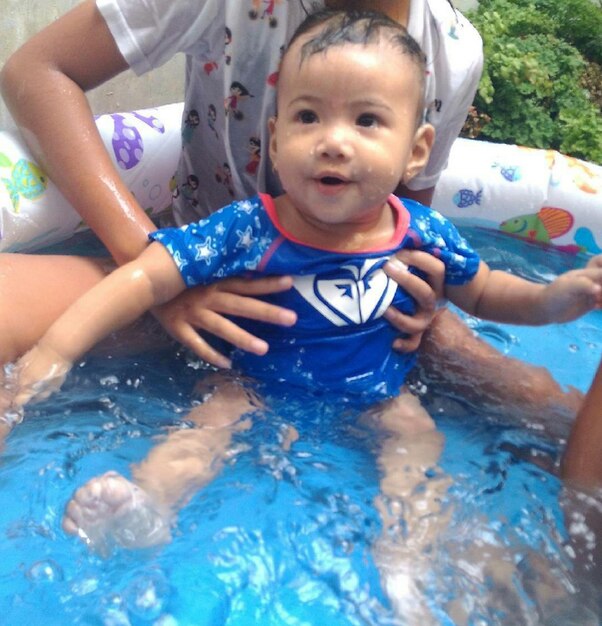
(283, 537)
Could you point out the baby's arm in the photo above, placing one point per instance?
(502, 297)
(131, 290)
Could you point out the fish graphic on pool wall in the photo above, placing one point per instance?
(543, 226)
(585, 239)
(467, 197)
(353, 294)
(511, 173)
(26, 180)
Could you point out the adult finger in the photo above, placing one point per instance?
(431, 266)
(255, 286)
(223, 328)
(243, 306)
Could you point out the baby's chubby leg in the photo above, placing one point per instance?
(110, 509)
(410, 502)
(411, 489)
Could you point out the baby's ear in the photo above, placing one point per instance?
(272, 123)
(424, 138)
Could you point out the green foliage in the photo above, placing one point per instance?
(577, 21)
(531, 86)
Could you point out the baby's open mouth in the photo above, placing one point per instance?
(331, 180)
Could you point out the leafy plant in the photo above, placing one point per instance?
(532, 87)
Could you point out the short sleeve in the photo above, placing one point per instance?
(454, 51)
(230, 242)
(149, 33)
(432, 232)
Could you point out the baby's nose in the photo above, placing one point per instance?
(336, 143)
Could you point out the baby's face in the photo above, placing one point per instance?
(346, 128)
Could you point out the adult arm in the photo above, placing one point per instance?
(582, 460)
(44, 84)
(457, 363)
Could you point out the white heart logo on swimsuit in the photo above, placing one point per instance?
(350, 295)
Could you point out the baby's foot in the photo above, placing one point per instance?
(109, 510)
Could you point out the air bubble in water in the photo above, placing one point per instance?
(147, 596)
(105, 381)
(45, 571)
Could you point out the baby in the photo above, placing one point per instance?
(349, 129)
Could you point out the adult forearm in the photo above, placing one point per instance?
(582, 461)
(454, 362)
(66, 143)
(43, 85)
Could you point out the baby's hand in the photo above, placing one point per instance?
(575, 293)
(36, 375)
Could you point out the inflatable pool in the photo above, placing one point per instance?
(537, 195)
(283, 537)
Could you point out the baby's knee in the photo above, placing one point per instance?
(406, 416)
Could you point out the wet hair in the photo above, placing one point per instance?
(338, 27)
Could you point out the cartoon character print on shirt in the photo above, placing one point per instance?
(354, 294)
(228, 41)
(268, 11)
(189, 190)
(210, 66)
(212, 119)
(238, 92)
(272, 79)
(223, 175)
(434, 108)
(254, 148)
(191, 122)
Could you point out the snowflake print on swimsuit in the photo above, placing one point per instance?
(190, 124)
(238, 92)
(205, 251)
(179, 260)
(246, 206)
(268, 12)
(433, 240)
(245, 238)
(127, 143)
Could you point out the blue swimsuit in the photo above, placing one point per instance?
(340, 343)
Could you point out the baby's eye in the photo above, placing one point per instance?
(307, 117)
(367, 120)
